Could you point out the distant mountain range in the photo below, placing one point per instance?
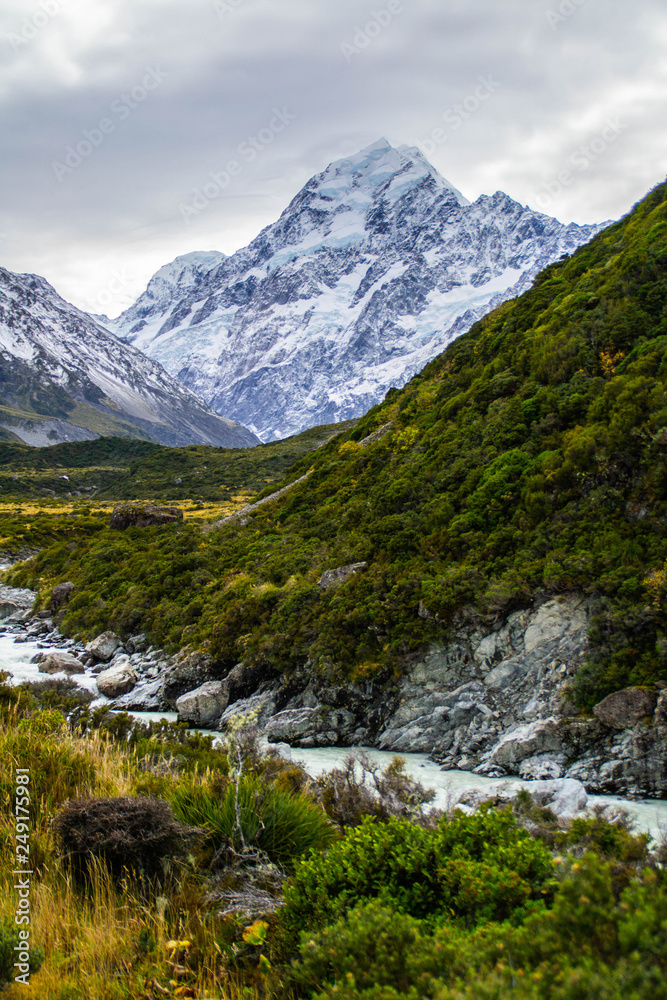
(63, 377)
(373, 268)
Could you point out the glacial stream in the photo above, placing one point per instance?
(649, 814)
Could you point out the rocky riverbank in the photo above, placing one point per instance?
(497, 703)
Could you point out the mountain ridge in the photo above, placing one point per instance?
(63, 376)
(375, 265)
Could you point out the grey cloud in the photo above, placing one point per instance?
(559, 84)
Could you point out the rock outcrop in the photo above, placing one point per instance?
(334, 577)
(204, 705)
(497, 702)
(129, 515)
(624, 709)
(60, 595)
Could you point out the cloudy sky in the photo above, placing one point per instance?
(116, 116)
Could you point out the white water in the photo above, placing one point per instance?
(649, 814)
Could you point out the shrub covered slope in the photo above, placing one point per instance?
(529, 458)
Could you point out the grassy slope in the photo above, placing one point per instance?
(122, 469)
(527, 459)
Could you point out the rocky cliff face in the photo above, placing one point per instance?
(63, 377)
(374, 267)
(495, 702)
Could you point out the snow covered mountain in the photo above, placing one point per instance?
(64, 377)
(372, 269)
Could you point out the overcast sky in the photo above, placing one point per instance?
(115, 113)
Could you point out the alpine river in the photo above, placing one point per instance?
(649, 814)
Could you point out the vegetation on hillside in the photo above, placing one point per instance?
(162, 866)
(112, 468)
(528, 459)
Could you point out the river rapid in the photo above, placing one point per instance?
(15, 658)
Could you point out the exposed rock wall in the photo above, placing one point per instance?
(494, 702)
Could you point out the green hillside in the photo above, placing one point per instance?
(114, 468)
(527, 459)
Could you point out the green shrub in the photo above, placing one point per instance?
(283, 824)
(9, 942)
(479, 867)
(372, 946)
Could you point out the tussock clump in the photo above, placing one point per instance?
(127, 835)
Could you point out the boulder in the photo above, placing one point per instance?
(103, 646)
(9, 609)
(144, 515)
(189, 669)
(60, 595)
(117, 680)
(526, 741)
(56, 662)
(203, 706)
(334, 577)
(249, 711)
(564, 796)
(137, 643)
(625, 708)
(146, 697)
(543, 767)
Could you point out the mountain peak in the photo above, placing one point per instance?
(395, 170)
(187, 265)
(373, 268)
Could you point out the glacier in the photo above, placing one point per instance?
(374, 267)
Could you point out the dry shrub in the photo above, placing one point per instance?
(128, 835)
(361, 788)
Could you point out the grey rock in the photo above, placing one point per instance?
(249, 711)
(9, 609)
(188, 670)
(103, 646)
(625, 708)
(204, 705)
(137, 643)
(334, 577)
(132, 515)
(61, 595)
(564, 796)
(145, 697)
(526, 741)
(56, 662)
(117, 680)
(543, 767)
